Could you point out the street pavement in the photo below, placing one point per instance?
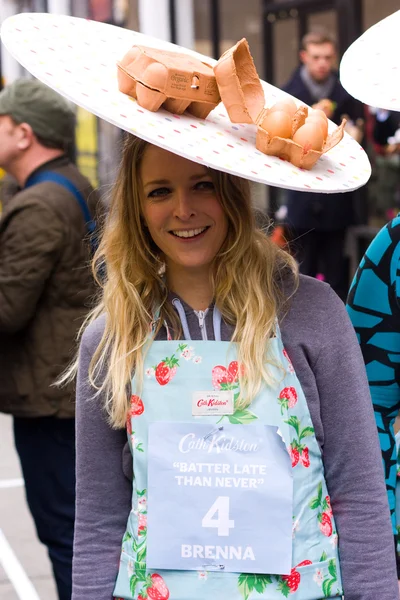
(25, 571)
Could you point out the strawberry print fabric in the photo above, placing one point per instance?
(173, 371)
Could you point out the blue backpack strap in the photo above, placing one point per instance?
(67, 184)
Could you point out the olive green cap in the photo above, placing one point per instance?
(29, 101)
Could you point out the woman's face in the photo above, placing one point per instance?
(181, 210)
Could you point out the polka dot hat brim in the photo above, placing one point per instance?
(78, 58)
(370, 68)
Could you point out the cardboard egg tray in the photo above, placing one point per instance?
(177, 82)
(243, 96)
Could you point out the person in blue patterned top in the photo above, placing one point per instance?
(374, 309)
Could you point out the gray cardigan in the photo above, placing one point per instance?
(322, 345)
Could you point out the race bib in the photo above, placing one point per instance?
(219, 498)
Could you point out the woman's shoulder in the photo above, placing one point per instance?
(316, 323)
(93, 334)
(310, 305)
(310, 294)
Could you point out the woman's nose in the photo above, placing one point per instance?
(184, 206)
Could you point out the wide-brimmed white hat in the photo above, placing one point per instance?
(370, 68)
(78, 58)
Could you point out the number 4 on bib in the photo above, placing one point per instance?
(222, 523)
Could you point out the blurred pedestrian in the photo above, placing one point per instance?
(318, 222)
(45, 291)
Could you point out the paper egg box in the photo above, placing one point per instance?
(177, 82)
(243, 96)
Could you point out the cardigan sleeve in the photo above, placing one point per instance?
(103, 492)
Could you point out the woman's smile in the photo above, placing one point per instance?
(190, 234)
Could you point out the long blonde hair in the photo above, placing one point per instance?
(246, 277)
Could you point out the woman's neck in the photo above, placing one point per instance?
(194, 287)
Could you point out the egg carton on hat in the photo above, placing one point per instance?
(243, 96)
(178, 82)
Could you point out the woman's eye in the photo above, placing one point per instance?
(208, 186)
(159, 192)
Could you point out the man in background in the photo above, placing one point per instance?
(45, 291)
(317, 223)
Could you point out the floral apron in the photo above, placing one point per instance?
(174, 370)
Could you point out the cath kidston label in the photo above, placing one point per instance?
(212, 403)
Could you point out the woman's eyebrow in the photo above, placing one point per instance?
(199, 176)
(166, 181)
(156, 182)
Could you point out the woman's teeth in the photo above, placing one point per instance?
(189, 233)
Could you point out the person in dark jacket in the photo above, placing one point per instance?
(45, 291)
(318, 222)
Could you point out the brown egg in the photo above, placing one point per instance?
(278, 124)
(310, 137)
(156, 76)
(320, 113)
(319, 121)
(287, 105)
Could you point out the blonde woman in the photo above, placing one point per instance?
(226, 445)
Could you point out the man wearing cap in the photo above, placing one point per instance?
(45, 291)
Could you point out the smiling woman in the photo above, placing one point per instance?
(198, 302)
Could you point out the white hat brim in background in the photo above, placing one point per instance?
(78, 58)
(370, 68)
